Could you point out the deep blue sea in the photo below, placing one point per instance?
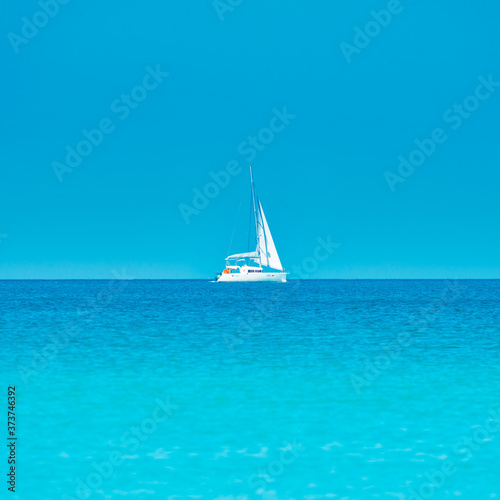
(304, 390)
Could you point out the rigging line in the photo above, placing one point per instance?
(234, 228)
(250, 222)
(255, 200)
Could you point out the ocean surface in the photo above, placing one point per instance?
(304, 390)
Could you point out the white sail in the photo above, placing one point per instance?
(265, 244)
(261, 242)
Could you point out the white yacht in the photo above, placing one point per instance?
(261, 265)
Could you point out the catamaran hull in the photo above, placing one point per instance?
(239, 277)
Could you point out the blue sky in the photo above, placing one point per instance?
(354, 102)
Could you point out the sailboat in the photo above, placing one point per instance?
(263, 264)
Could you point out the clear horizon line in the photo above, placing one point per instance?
(211, 279)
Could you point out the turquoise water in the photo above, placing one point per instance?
(305, 390)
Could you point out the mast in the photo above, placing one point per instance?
(254, 207)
